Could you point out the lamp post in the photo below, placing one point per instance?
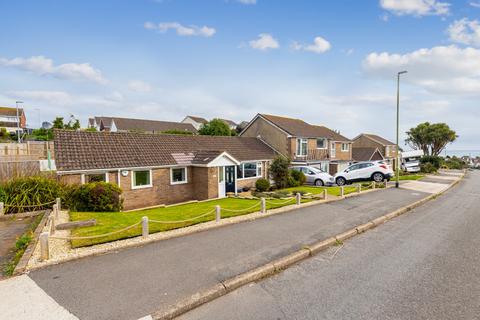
(397, 164)
(18, 121)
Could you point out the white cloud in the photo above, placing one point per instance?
(181, 30)
(446, 70)
(465, 31)
(43, 66)
(247, 1)
(58, 98)
(320, 45)
(139, 86)
(475, 4)
(264, 42)
(415, 7)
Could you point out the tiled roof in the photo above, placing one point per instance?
(126, 124)
(300, 128)
(229, 122)
(10, 112)
(198, 119)
(82, 150)
(379, 139)
(363, 154)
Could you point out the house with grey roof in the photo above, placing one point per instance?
(195, 121)
(117, 124)
(162, 169)
(303, 143)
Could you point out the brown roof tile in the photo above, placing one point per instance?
(82, 150)
(300, 128)
(379, 139)
(364, 154)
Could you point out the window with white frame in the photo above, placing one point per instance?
(302, 147)
(249, 170)
(345, 147)
(141, 179)
(178, 175)
(321, 143)
(333, 151)
(96, 177)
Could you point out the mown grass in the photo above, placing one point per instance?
(410, 177)
(112, 221)
(334, 191)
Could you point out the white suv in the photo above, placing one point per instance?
(362, 171)
(315, 176)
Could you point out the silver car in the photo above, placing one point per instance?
(315, 176)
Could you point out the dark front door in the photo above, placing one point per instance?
(230, 179)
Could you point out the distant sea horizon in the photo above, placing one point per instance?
(460, 153)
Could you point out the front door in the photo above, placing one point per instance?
(230, 179)
(221, 182)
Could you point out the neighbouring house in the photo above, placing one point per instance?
(162, 169)
(197, 122)
(366, 154)
(303, 143)
(387, 148)
(11, 120)
(231, 124)
(115, 124)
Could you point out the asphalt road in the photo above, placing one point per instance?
(135, 282)
(422, 265)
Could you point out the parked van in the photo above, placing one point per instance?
(411, 160)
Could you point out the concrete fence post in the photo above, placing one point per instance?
(58, 202)
(52, 225)
(55, 211)
(342, 191)
(359, 188)
(145, 230)
(44, 250)
(386, 183)
(2, 209)
(325, 194)
(218, 213)
(263, 205)
(298, 198)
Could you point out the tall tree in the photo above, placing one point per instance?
(215, 127)
(431, 138)
(58, 123)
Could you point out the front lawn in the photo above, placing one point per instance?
(112, 221)
(410, 177)
(334, 191)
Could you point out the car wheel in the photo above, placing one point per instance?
(341, 181)
(378, 177)
(319, 183)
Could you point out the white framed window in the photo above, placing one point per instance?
(333, 151)
(141, 179)
(321, 143)
(178, 175)
(94, 177)
(345, 147)
(302, 147)
(249, 170)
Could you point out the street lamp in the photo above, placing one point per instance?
(397, 164)
(18, 121)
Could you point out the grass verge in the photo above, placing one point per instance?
(21, 245)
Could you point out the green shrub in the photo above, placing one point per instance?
(291, 182)
(96, 197)
(279, 171)
(280, 194)
(428, 167)
(454, 163)
(298, 176)
(262, 185)
(436, 161)
(29, 194)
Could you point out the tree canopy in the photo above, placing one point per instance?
(431, 138)
(215, 127)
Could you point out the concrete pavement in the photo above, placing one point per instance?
(422, 265)
(134, 282)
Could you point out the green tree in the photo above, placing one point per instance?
(279, 171)
(175, 131)
(431, 138)
(58, 123)
(215, 127)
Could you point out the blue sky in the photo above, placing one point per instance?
(327, 62)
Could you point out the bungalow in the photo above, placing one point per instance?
(387, 148)
(161, 169)
(303, 143)
(11, 120)
(115, 124)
